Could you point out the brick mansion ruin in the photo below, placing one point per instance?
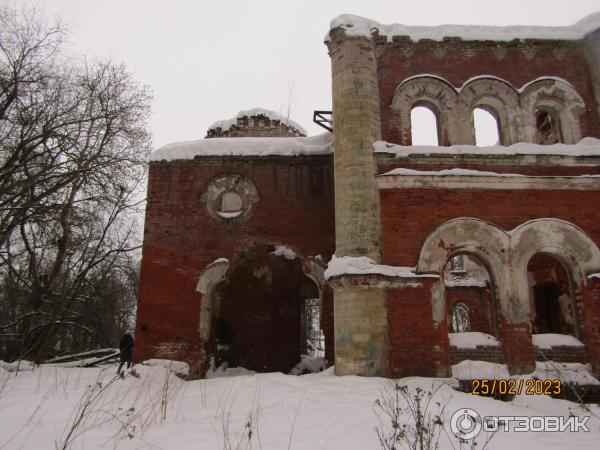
(404, 249)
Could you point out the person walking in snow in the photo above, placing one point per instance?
(126, 351)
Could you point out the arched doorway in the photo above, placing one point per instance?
(551, 296)
(259, 314)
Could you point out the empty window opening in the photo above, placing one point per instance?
(486, 128)
(315, 339)
(547, 128)
(550, 296)
(229, 205)
(461, 322)
(457, 264)
(424, 127)
(469, 296)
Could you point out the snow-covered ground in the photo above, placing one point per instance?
(160, 411)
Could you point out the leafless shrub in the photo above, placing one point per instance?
(415, 420)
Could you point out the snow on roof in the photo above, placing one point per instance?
(360, 26)
(246, 146)
(586, 147)
(548, 340)
(227, 124)
(472, 339)
(362, 265)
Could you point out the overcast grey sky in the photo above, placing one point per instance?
(205, 61)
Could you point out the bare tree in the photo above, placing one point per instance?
(73, 147)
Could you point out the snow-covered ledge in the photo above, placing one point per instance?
(362, 265)
(472, 340)
(371, 273)
(476, 179)
(547, 341)
(585, 147)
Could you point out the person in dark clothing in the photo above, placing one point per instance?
(126, 349)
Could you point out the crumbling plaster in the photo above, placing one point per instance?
(514, 109)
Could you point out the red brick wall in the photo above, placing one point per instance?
(181, 237)
(417, 346)
(457, 61)
(408, 216)
(591, 322)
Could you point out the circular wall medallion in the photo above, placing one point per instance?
(230, 197)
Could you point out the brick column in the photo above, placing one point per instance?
(361, 332)
(360, 316)
(520, 354)
(515, 317)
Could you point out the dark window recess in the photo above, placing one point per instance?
(547, 128)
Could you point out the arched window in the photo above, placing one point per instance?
(457, 264)
(547, 128)
(461, 321)
(486, 128)
(424, 126)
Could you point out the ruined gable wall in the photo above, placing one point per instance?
(295, 208)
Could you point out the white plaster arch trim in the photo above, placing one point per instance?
(212, 275)
(430, 91)
(559, 238)
(464, 235)
(477, 237)
(558, 96)
(506, 255)
(498, 97)
(425, 75)
(314, 269)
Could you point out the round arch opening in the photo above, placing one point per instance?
(470, 297)
(267, 313)
(551, 296)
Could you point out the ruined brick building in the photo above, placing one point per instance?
(406, 247)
